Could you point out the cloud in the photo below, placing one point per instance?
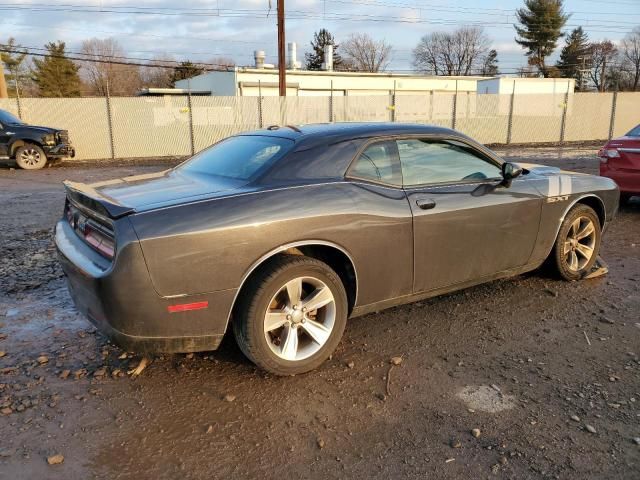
(196, 32)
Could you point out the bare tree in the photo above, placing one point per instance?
(527, 71)
(602, 56)
(451, 53)
(156, 75)
(631, 56)
(366, 54)
(115, 78)
(221, 63)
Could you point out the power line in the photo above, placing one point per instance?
(459, 9)
(130, 34)
(259, 14)
(138, 63)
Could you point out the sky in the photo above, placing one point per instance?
(201, 29)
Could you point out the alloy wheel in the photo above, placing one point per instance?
(300, 318)
(30, 156)
(580, 243)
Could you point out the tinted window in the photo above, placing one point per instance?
(7, 119)
(320, 162)
(378, 162)
(425, 161)
(635, 132)
(238, 158)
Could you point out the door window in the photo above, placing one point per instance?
(379, 163)
(442, 161)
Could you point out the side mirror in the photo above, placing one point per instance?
(510, 171)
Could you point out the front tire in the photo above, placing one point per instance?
(578, 243)
(30, 157)
(291, 315)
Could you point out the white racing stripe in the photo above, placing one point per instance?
(554, 187)
(560, 185)
(565, 185)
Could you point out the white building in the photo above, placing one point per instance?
(262, 80)
(252, 82)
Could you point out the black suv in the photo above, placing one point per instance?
(30, 146)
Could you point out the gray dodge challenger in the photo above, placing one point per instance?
(284, 233)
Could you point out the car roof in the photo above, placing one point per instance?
(314, 134)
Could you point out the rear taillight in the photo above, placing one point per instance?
(97, 235)
(100, 242)
(607, 153)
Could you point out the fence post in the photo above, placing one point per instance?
(510, 122)
(18, 102)
(612, 121)
(110, 124)
(18, 106)
(393, 103)
(431, 100)
(563, 125)
(455, 107)
(260, 121)
(331, 104)
(190, 107)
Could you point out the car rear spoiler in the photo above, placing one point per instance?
(84, 195)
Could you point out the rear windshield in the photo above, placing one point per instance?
(238, 158)
(7, 119)
(635, 132)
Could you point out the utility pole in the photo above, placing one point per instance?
(282, 61)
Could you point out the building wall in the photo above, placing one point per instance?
(222, 84)
(505, 85)
(244, 82)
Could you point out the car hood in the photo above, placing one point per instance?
(540, 169)
(144, 192)
(35, 128)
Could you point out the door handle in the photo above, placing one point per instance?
(425, 203)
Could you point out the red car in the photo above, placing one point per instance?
(620, 161)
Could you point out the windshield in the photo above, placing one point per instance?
(7, 119)
(635, 132)
(238, 158)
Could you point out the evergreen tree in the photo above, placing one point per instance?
(56, 75)
(186, 69)
(13, 63)
(574, 57)
(315, 58)
(490, 64)
(541, 26)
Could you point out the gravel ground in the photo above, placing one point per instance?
(523, 378)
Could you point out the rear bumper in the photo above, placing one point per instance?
(628, 180)
(121, 302)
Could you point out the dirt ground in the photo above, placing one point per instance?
(547, 371)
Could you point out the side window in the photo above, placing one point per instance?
(378, 162)
(442, 161)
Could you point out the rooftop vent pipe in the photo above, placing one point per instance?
(259, 56)
(294, 64)
(328, 58)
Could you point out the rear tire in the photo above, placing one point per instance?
(285, 336)
(30, 157)
(578, 244)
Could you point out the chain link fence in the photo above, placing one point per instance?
(123, 127)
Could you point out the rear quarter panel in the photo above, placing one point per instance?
(211, 245)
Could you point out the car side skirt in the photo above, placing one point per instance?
(415, 297)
